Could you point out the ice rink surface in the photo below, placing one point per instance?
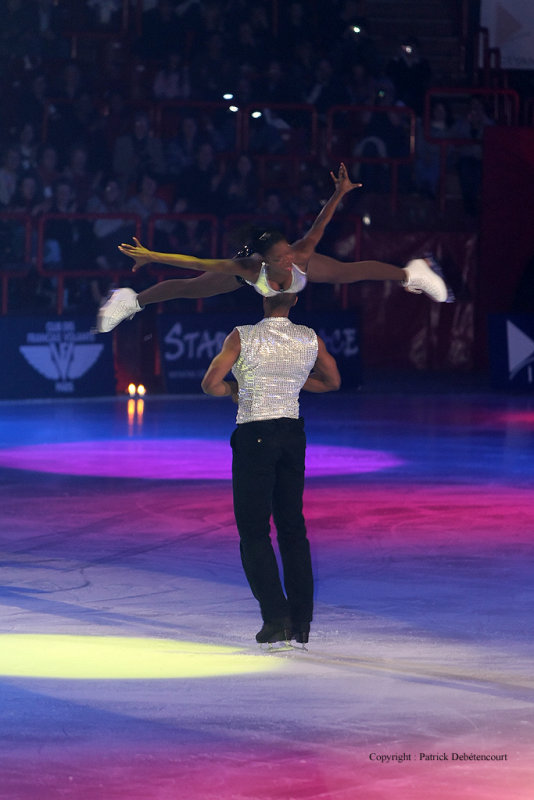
(127, 656)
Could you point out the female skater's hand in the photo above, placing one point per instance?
(140, 254)
(342, 181)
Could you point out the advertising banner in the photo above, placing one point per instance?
(189, 342)
(511, 29)
(511, 338)
(54, 357)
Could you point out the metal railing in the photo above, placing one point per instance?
(503, 104)
(345, 139)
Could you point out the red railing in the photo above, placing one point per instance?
(503, 104)
(219, 244)
(59, 275)
(343, 139)
(8, 274)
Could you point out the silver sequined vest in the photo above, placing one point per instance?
(275, 361)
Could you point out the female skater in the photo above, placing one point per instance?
(270, 264)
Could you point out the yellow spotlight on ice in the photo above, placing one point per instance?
(122, 658)
(141, 391)
(131, 389)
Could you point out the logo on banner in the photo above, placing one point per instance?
(61, 353)
(520, 351)
(192, 345)
(341, 341)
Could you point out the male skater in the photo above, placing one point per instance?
(272, 361)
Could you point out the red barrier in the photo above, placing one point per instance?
(59, 275)
(14, 274)
(346, 130)
(504, 106)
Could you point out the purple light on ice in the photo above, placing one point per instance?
(173, 459)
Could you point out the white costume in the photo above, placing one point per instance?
(263, 287)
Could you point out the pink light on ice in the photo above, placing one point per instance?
(173, 459)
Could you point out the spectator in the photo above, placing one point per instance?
(172, 80)
(296, 25)
(411, 75)
(200, 183)
(49, 23)
(27, 146)
(427, 153)
(247, 47)
(213, 70)
(274, 87)
(468, 157)
(327, 90)
(33, 102)
(357, 46)
(106, 233)
(182, 148)
(82, 180)
(138, 152)
(361, 85)
(162, 32)
(105, 14)
(385, 135)
(48, 169)
(272, 213)
(240, 187)
(306, 201)
(62, 236)
(146, 202)
(193, 236)
(71, 82)
(10, 173)
(28, 198)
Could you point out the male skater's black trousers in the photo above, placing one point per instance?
(268, 478)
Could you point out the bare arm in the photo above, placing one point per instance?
(325, 375)
(245, 267)
(311, 239)
(213, 382)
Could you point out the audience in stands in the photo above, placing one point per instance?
(116, 104)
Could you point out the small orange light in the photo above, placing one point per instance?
(131, 389)
(141, 391)
(131, 412)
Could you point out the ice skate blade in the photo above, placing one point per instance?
(282, 647)
(276, 647)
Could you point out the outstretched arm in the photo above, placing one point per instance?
(246, 267)
(343, 185)
(213, 382)
(325, 375)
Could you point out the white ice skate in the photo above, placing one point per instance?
(121, 304)
(423, 278)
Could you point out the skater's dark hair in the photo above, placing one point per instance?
(258, 240)
(281, 300)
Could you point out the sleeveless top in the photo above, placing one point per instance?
(262, 286)
(274, 363)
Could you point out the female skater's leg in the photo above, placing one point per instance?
(125, 303)
(417, 276)
(323, 269)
